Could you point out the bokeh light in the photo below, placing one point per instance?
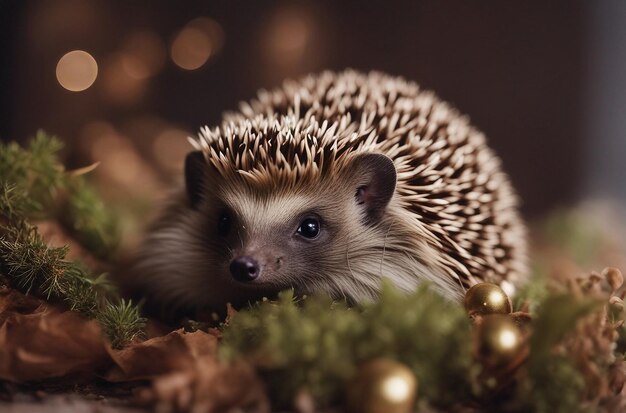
(289, 33)
(169, 149)
(120, 86)
(77, 70)
(134, 66)
(143, 54)
(196, 43)
(119, 161)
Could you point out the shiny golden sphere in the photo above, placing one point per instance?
(382, 386)
(486, 298)
(498, 340)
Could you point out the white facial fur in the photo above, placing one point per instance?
(186, 264)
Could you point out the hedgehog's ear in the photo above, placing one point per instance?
(376, 183)
(195, 175)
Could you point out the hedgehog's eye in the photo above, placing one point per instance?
(309, 228)
(223, 224)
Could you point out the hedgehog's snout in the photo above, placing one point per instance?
(245, 268)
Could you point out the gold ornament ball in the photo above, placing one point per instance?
(486, 298)
(382, 386)
(498, 340)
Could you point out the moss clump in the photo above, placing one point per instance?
(317, 344)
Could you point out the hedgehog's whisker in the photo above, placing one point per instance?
(348, 260)
(341, 291)
(240, 238)
(230, 251)
(382, 258)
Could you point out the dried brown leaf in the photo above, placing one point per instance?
(614, 277)
(161, 355)
(40, 341)
(209, 387)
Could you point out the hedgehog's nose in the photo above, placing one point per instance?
(245, 269)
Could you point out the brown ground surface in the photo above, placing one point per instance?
(62, 397)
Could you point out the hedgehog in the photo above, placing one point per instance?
(331, 184)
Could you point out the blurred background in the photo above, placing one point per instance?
(124, 83)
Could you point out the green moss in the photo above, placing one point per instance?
(317, 344)
(121, 321)
(35, 185)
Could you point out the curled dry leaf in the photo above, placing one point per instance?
(188, 375)
(175, 351)
(592, 345)
(614, 277)
(39, 341)
(209, 387)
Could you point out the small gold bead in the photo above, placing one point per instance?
(486, 298)
(382, 386)
(498, 340)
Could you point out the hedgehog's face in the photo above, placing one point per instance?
(261, 241)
